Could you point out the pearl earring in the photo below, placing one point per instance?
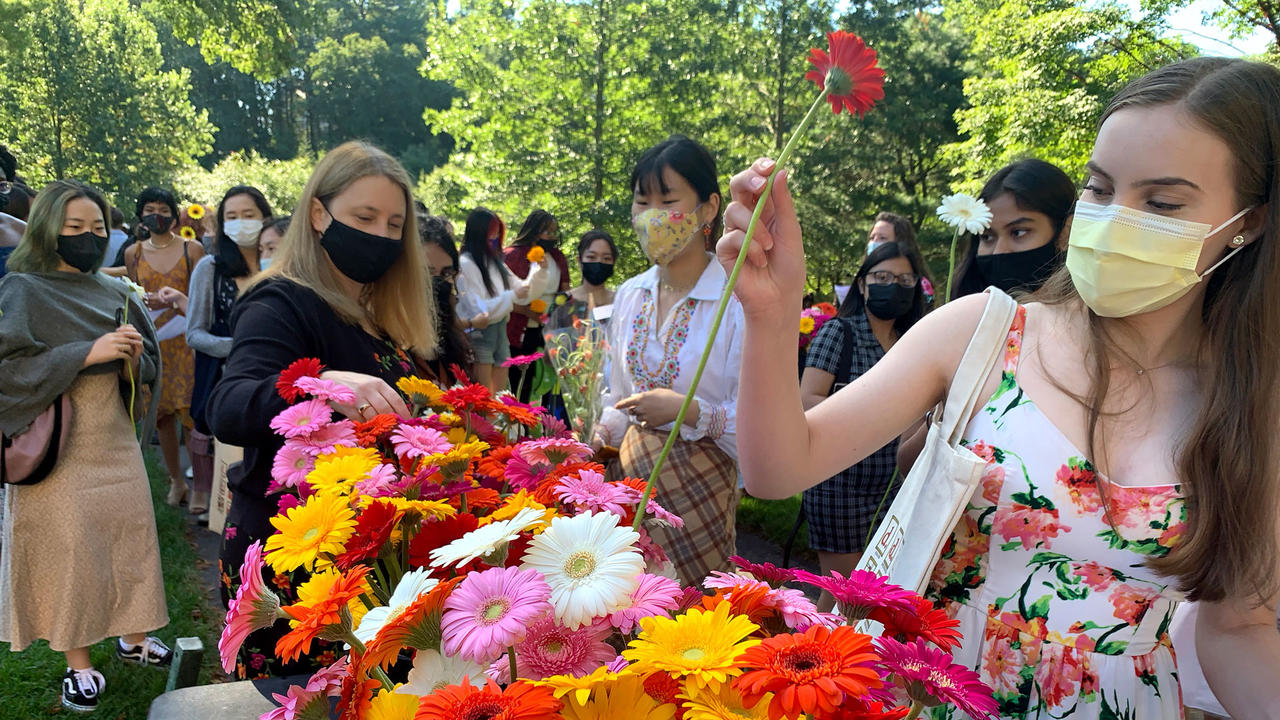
(1237, 241)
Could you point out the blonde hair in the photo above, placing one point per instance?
(398, 303)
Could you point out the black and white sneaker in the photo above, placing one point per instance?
(81, 688)
(149, 652)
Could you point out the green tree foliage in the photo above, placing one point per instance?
(85, 97)
(281, 181)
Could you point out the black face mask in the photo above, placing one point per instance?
(157, 223)
(444, 295)
(1026, 270)
(361, 256)
(890, 302)
(597, 273)
(82, 252)
(4, 200)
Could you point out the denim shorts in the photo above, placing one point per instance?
(490, 344)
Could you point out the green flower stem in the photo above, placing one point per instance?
(128, 366)
(787, 150)
(377, 672)
(951, 267)
(917, 707)
(511, 660)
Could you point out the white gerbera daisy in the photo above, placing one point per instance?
(591, 564)
(965, 212)
(411, 587)
(432, 671)
(482, 541)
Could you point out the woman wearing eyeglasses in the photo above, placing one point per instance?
(885, 301)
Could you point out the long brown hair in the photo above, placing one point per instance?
(1227, 466)
(398, 303)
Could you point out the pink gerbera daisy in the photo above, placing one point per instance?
(552, 649)
(618, 665)
(523, 475)
(929, 677)
(522, 360)
(491, 611)
(297, 702)
(416, 442)
(553, 451)
(379, 483)
(254, 607)
(656, 595)
(331, 436)
(798, 611)
(690, 597)
(291, 465)
(767, 572)
(588, 491)
(861, 592)
(657, 512)
(326, 390)
(302, 419)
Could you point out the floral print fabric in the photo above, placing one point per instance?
(1046, 573)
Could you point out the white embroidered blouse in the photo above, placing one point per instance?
(644, 357)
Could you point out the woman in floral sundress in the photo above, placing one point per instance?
(1129, 435)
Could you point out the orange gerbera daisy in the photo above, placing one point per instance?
(849, 72)
(479, 499)
(746, 600)
(314, 619)
(371, 432)
(418, 627)
(520, 701)
(809, 673)
(493, 464)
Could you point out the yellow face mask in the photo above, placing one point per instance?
(1127, 262)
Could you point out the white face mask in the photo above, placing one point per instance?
(244, 232)
(264, 263)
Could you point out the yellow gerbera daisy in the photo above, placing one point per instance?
(454, 463)
(322, 524)
(338, 474)
(516, 503)
(422, 392)
(370, 454)
(700, 646)
(320, 586)
(450, 419)
(581, 687)
(725, 704)
(434, 509)
(624, 698)
(389, 705)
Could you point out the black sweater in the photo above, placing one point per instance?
(273, 325)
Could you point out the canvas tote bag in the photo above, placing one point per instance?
(908, 542)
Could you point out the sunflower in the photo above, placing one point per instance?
(322, 524)
(187, 233)
(722, 704)
(809, 673)
(195, 211)
(700, 646)
(624, 698)
(389, 705)
(338, 473)
(422, 392)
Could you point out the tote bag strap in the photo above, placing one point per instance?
(985, 349)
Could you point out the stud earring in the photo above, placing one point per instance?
(1237, 241)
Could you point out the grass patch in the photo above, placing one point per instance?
(32, 678)
(774, 520)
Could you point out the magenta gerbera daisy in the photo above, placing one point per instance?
(553, 451)
(291, 465)
(331, 436)
(656, 595)
(523, 475)
(416, 441)
(326, 390)
(379, 483)
(929, 677)
(491, 611)
(552, 649)
(302, 419)
(588, 491)
(861, 592)
(767, 572)
(254, 607)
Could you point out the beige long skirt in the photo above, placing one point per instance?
(79, 560)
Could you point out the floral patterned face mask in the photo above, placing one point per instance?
(664, 233)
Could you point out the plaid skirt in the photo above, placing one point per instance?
(699, 482)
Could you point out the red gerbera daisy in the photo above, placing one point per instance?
(439, 533)
(372, 530)
(665, 689)
(855, 709)
(812, 672)
(467, 396)
(925, 621)
(519, 701)
(298, 369)
(375, 430)
(849, 72)
(930, 677)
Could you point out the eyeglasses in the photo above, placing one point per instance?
(5, 187)
(884, 277)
